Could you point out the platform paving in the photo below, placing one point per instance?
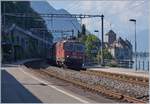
(124, 71)
(19, 86)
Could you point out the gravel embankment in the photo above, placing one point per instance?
(118, 86)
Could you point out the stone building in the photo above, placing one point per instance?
(121, 49)
(111, 36)
(18, 44)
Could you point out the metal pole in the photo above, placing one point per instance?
(45, 43)
(135, 48)
(133, 20)
(148, 65)
(143, 65)
(102, 18)
(72, 33)
(51, 21)
(4, 15)
(98, 49)
(139, 64)
(81, 21)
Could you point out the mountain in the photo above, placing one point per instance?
(25, 23)
(56, 23)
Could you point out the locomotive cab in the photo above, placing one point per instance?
(70, 54)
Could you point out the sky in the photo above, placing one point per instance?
(116, 17)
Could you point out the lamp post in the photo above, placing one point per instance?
(133, 20)
(98, 47)
(96, 31)
(102, 54)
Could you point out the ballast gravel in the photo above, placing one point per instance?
(115, 85)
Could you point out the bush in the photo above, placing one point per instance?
(113, 64)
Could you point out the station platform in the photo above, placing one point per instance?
(19, 86)
(124, 71)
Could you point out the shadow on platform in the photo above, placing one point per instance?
(9, 65)
(41, 64)
(12, 91)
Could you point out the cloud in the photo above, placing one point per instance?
(117, 13)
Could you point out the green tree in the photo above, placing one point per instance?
(82, 34)
(92, 43)
(83, 30)
(22, 7)
(106, 54)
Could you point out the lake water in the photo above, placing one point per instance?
(142, 63)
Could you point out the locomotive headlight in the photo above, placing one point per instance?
(83, 65)
(67, 56)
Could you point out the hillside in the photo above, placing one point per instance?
(56, 23)
(25, 23)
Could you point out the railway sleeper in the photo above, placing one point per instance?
(131, 79)
(132, 99)
(100, 90)
(117, 75)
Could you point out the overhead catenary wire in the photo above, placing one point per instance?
(76, 5)
(72, 5)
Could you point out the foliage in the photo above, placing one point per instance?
(98, 56)
(92, 44)
(113, 63)
(22, 7)
(82, 34)
(83, 30)
(107, 54)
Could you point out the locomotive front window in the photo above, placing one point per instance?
(79, 48)
(68, 47)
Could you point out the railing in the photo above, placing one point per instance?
(144, 65)
(141, 65)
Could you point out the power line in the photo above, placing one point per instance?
(30, 15)
(75, 5)
(71, 5)
(74, 26)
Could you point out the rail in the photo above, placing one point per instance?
(94, 88)
(116, 76)
(99, 89)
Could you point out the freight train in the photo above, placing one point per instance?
(69, 53)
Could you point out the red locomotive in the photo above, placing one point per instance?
(69, 53)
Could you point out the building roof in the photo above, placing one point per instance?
(111, 32)
(27, 33)
(129, 43)
(121, 43)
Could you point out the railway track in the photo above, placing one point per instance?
(97, 89)
(116, 76)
